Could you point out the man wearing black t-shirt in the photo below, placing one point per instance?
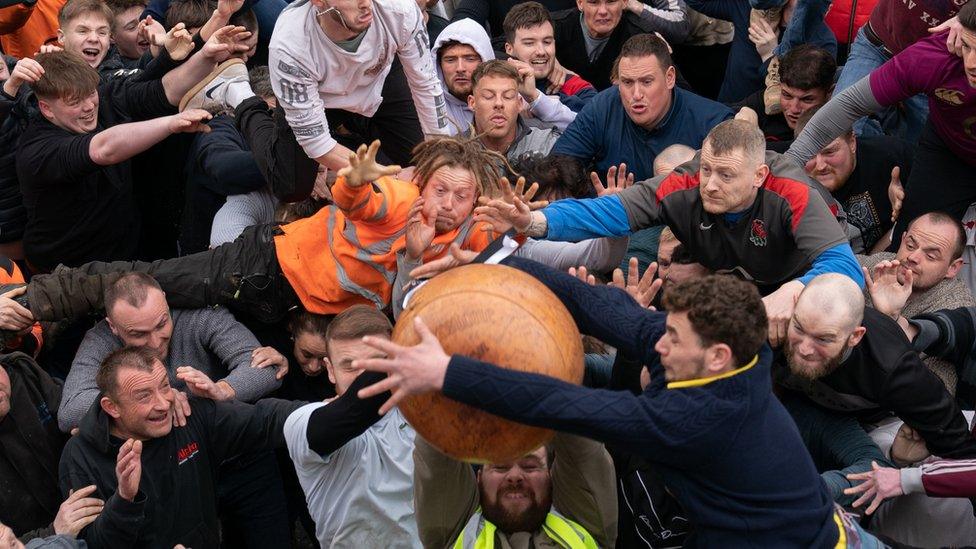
(858, 172)
(73, 159)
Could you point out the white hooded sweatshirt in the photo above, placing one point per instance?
(465, 31)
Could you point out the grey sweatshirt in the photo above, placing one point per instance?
(210, 340)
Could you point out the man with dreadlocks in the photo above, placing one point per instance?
(343, 255)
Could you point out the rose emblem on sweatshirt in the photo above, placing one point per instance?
(758, 234)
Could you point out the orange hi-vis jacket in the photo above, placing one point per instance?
(346, 253)
(30, 342)
(24, 29)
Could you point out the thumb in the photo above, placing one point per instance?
(426, 336)
(940, 28)
(896, 174)
(15, 292)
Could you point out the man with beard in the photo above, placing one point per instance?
(926, 264)
(459, 50)
(342, 255)
(855, 360)
(722, 442)
(864, 174)
(560, 495)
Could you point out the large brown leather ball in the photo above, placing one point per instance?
(500, 315)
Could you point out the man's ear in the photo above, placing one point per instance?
(328, 369)
(471, 100)
(61, 37)
(112, 327)
(509, 50)
(718, 357)
(110, 407)
(856, 336)
(45, 109)
(954, 268)
(761, 173)
(670, 76)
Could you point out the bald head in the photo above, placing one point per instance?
(672, 157)
(834, 296)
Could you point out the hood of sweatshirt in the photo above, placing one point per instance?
(465, 31)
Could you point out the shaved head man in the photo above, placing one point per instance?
(856, 360)
(826, 323)
(672, 157)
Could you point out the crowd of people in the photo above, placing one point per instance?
(759, 213)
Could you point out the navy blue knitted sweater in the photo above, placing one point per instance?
(727, 449)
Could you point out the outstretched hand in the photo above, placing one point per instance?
(454, 258)
(190, 121)
(954, 41)
(225, 42)
(511, 208)
(889, 286)
(896, 193)
(202, 386)
(880, 483)
(643, 288)
(420, 230)
(363, 167)
(128, 469)
(410, 370)
(617, 180)
(178, 41)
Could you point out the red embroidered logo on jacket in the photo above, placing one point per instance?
(187, 452)
(758, 235)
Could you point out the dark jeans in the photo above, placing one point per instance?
(243, 276)
(291, 172)
(251, 502)
(940, 180)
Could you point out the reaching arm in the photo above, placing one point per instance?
(418, 66)
(941, 478)
(548, 108)
(122, 142)
(919, 398)
(445, 494)
(596, 254)
(233, 344)
(609, 314)
(584, 486)
(580, 219)
(668, 17)
(618, 418)
(838, 259)
(330, 427)
(834, 119)
(238, 427)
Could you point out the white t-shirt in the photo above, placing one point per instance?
(361, 495)
(310, 72)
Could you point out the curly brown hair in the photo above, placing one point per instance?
(722, 309)
(458, 152)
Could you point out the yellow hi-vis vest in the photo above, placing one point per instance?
(478, 533)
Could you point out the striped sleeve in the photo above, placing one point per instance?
(949, 477)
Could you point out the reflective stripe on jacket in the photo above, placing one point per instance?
(478, 533)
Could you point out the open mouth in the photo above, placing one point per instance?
(90, 54)
(540, 62)
(365, 18)
(88, 119)
(639, 108)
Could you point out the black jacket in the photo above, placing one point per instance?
(15, 113)
(30, 446)
(177, 500)
(882, 376)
